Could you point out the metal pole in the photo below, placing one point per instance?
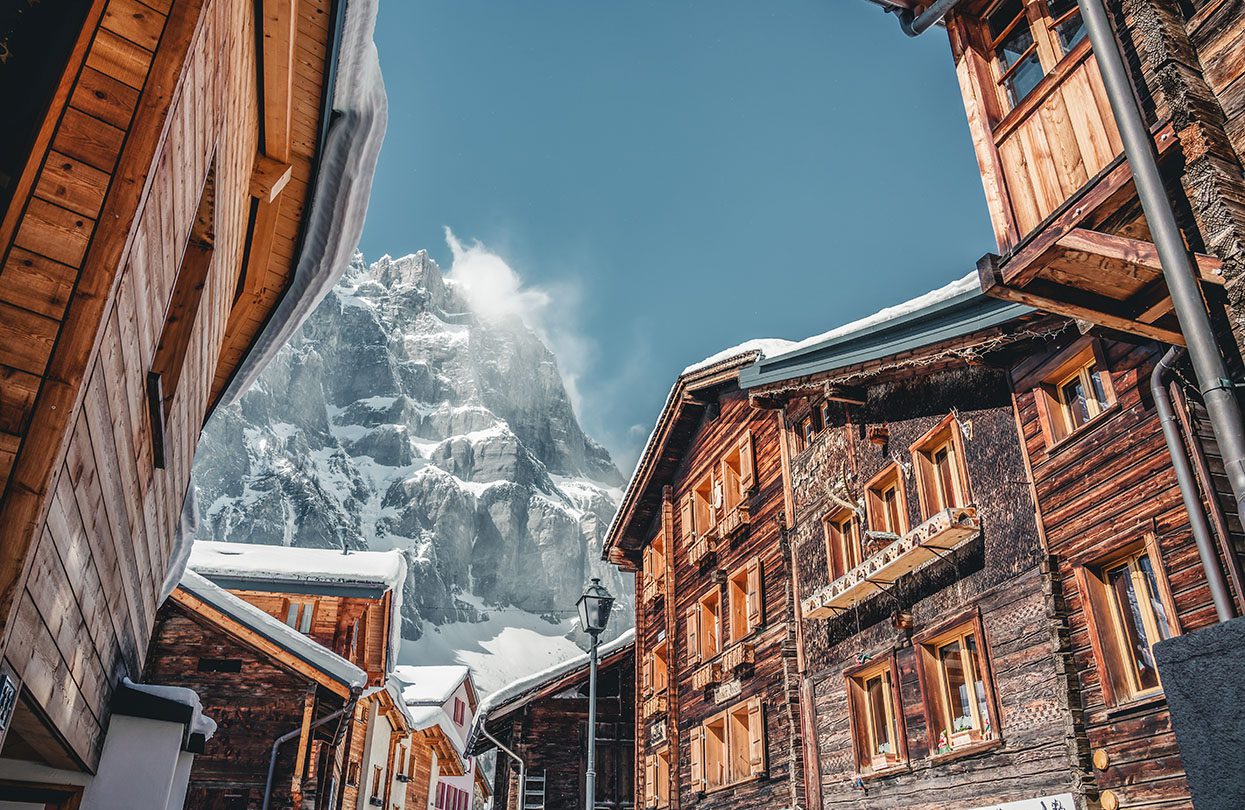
(914, 26)
(590, 799)
(1182, 284)
(522, 768)
(1224, 608)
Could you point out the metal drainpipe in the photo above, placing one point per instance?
(1162, 374)
(284, 738)
(914, 25)
(522, 768)
(1208, 366)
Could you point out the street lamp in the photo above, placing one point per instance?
(594, 613)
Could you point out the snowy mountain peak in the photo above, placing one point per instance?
(397, 418)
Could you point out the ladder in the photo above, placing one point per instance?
(534, 792)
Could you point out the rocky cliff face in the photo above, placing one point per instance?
(398, 418)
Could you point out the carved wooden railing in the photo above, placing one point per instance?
(707, 675)
(652, 706)
(702, 549)
(739, 656)
(653, 587)
(733, 522)
(939, 535)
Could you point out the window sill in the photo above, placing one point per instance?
(738, 783)
(884, 773)
(1137, 705)
(972, 749)
(1056, 448)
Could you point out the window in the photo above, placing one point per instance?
(1130, 611)
(704, 627)
(957, 689)
(842, 542)
(704, 502)
(352, 773)
(298, 615)
(744, 595)
(874, 700)
(657, 778)
(941, 478)
(656, 669)
(615, 764)
(738, 476)
(1025, 40)
(460, 711)
(378, 776)
(888, 511)
(655, 562)
(1075, 390)
(729, 747)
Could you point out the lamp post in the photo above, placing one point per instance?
(594, 612)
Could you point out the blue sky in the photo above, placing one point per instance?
(673, 177)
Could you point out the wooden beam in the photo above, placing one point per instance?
(280, 33)
(1134, 251)
(304, 740)
(268, 177)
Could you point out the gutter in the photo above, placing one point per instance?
(1163, 372)
(284, 738)
(914, 25)
(522, 767)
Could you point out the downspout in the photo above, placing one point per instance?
(284, 738)
(1186, 295)
(516, 758)
(914, 25)
(1159, 378)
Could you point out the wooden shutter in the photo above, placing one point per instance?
(755, 609)
(647, 673)
(687, 518)
(698, 759)
(1104, 642)
(650, 780)
(693, 635)
(756, 736)
(747, 469)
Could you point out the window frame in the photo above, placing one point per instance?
(934, 687)
(703, 628)
(710, 513)
(1060, 369)
(860, 716)
(875, 490)
(1117, 676)
(945, 434)
(752, 607)
(849, 543)
(659, 660)
(1041, 23)
(754, 745)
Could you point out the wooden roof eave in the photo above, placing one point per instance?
(553, 687)
(448, 759)
(689, 394)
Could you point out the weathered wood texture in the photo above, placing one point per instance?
(721, 427)
(252, 705)
(999, 574)
(333, 622)
(550, 735)
(155, 98)
(1097, 491)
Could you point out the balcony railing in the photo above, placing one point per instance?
(707, 675)
(941, 534)
(739, 656)
(733, 522)
(703, 549)
(653, 587)
(653, 706)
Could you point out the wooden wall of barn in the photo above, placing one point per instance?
(773, 677)
(1098, 491)
(251, 706)
(1000, 574)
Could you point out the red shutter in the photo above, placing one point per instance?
(747, 469)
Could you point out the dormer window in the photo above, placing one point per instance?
(888, 511)
(939, 460)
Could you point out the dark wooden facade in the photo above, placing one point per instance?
(547, 726)
(124, 308)
(994, 580)
(686, 550)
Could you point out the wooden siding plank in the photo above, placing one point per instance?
(36, 283)
(72, 184)
(54, 232)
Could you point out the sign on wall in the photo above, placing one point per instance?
(1063, 801)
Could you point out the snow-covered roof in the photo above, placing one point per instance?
(433, 684)
(285, 637)
(199, 722)
(298, 569)
(515, 694)
(762, 346)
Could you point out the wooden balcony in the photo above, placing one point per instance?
(707, 675)
(936, 537)
(653, 706)
(740, 656)
(733, 522)
(653, 588)
(703, 549)
(1071, 236)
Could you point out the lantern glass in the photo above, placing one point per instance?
(594, 608)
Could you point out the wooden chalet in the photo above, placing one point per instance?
(265, 684)
(442, 700)
(543, 720)
(1062, 200)
(179, 181)
(933, 664)
(702, 525)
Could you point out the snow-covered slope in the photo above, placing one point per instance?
(396, 418)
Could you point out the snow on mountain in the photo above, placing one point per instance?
(397, 418)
